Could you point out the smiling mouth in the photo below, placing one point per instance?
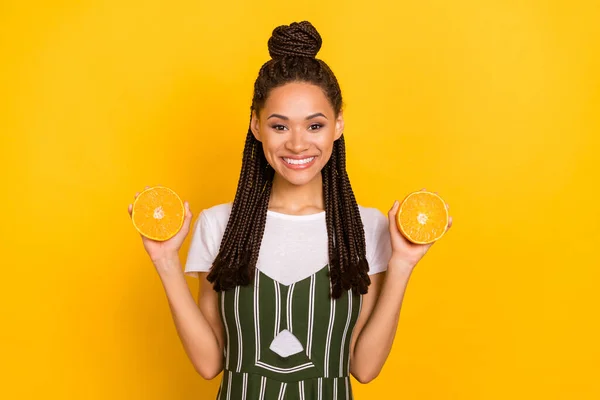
(302, 161)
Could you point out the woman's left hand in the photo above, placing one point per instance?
(404, 252)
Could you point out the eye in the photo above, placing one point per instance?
(278, 127)
(315, 127)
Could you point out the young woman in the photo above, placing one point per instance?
(294, 294)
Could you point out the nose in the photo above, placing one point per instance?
(296, 141)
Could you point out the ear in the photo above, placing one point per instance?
(339, 125)
(255, 126)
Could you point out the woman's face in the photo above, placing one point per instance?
(297, 128)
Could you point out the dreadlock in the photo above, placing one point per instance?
(293, 51)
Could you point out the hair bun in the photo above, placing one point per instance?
(296, 39)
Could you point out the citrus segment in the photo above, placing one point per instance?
(158, 213)
(422, 217)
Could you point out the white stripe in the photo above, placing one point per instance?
(301, 389)
(320, 385)
(282, 390)
(226, 328)
(289, 307)
(342, 353)
(239, 328)
(335, 388)
(229, 385)
(311, 311)
(347, 384)
(277, 308)
(287, 311)
(329, 334)
(360, 303)
(256, 316)
(220, 389)
(263, 384)
(245, 387)
(285, 370)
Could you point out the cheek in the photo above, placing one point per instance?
(325, 143)
(271, 148)
(272, 144)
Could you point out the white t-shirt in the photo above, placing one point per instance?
(293, 246)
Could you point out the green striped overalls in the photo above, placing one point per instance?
(254, 315)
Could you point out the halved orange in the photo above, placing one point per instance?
(158, 213)
(422, 217)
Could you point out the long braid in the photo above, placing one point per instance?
(293, 49)
(349, 267)
(358, 267)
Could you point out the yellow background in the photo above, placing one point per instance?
(494, 104)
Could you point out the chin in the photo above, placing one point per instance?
(299, 178)
(301, 182)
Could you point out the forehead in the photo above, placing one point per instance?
(298, 98)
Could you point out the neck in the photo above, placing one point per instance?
(293, 199)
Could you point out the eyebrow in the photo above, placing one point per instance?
(287, 119)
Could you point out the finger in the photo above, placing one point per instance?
(449, 222)
(187, 220)
(392, 215)
(136, 195)
(129, 209)
(147, 187)
(188, 212)
(394, 208)
(447, 206)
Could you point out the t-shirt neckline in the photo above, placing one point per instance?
(304, 217)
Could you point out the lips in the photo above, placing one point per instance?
(298, 162)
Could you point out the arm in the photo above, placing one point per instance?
(198, 325)
(376, 326)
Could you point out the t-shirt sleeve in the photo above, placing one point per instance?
(379, 248)
(203, 248)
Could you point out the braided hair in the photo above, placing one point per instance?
(293, 49)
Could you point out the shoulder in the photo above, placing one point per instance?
(212, 221)
(377, 238)
(217, 214)
(372, 218)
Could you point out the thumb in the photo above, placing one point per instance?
(392, 216)
(188, 215)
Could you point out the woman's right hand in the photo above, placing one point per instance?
(163, 252)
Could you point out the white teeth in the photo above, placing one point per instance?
(298, 162)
